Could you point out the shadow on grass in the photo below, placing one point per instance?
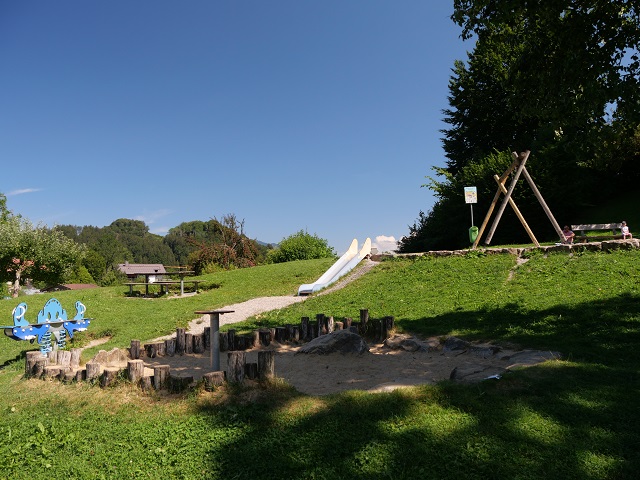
(567, 419)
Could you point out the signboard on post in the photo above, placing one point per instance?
(470, 195)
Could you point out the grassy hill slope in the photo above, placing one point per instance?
(576, 418)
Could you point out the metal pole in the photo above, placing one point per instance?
(214, 320)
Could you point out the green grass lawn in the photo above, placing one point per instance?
(577, 418)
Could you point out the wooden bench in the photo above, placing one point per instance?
(580, 231)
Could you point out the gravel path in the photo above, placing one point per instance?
(250, 308)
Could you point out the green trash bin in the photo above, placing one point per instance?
(473, 234)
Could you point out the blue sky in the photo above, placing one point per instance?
(293, 115)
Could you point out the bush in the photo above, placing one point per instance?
(300, 246)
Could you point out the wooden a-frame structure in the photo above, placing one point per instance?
(518, 165)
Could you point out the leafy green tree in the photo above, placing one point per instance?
(225, 245)
(300, 246)
(44, 255)
(559, 78)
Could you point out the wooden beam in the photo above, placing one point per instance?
(514, 180)
(502, 179)
(546, 209)
(517, 212)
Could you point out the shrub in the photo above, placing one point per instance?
(300, 246)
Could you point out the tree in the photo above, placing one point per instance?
(225, 245)
(560, 78)
(300, 246)
(44, 255)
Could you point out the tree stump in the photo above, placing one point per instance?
(93, 370)
(320, 324)
(387, 326)
(135, 370)
(109, 377)
(231, 339)
(304, 329)
(160, 376)
(170, 347)
(51, 371)
(251, 370)
(339, 325)
(265, 336)
(75, 358)
(134, 349)
(329, 322)
(347, 323)
(64, 358)
(53, 357)
(224, 341)
(81, 375)
(281, 335)
(188, 343)
(154, 350)
(364, 320)
(32, 357)
(178, 384)
(38, 369)
(235, 367)
(145, 383)
(213, 379)
(180, 341)
(207, 338)
(294, 335)
(255, 343)
(266, 364)
(290, 334)
(69, 377)
(198, 343)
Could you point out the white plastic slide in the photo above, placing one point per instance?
(344, 265)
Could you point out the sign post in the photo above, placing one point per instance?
(471, 197)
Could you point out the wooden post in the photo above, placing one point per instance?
(265, 336)
(281, 333)
(546, 209)
(231, 338)
(213, 379)
(93, 370)
(266, 364)
(320, 324)
(109, 376)
(161, 376)
(517, 212)
(170, 347)
(304, 329)
(330, 323)
(134, 350)
(135, 370)
(496, 197)
(75, 358)
(251, 370)
(188, 343)
(64, 358)
(198, 343)
(180, 341)
(235, 366)
(41, 364)
(503, 205)
(32, 357)
(364, 320)
(207, 338)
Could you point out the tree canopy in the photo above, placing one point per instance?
(558, 77)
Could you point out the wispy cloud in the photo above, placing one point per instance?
(152, 217)
(23, 191)
(385, 243)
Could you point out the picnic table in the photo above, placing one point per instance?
(164, 284)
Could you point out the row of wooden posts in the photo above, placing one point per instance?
(65, 364)
(307, 330)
